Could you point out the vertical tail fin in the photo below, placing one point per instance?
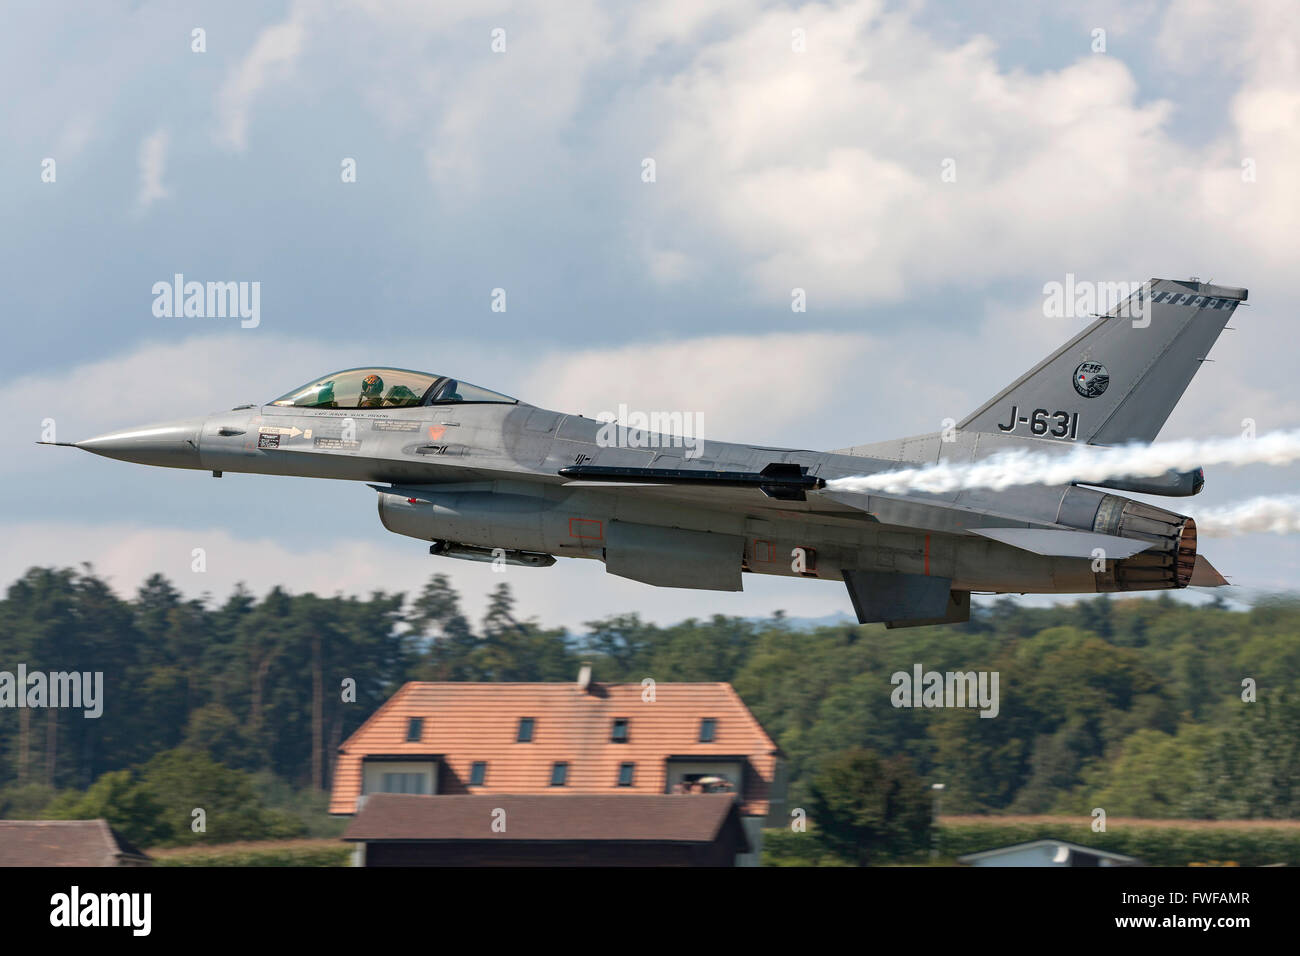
(1119, 379)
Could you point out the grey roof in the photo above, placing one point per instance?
(1074, 848)
(64, 843)
(660, 818)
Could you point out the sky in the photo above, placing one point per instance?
(919, 170)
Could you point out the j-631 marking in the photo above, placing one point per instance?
(1042, 422)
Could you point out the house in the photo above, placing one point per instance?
(65, 843)
(548, 830)
(1047, 853)
(677, 740)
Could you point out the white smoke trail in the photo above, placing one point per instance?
(1278, 514)
(1081, 463)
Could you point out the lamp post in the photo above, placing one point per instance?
(937, 789)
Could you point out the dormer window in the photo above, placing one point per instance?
(525, 734)
(708, 728)
(414, 728)
(477, 773)
(618, 733)
(559, 773)
(625, 774)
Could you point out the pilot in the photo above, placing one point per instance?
(372, 392)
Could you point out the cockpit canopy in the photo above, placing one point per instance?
(387, 388)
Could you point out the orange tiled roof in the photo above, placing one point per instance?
(466, 722)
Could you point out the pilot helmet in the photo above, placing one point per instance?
(372, 386)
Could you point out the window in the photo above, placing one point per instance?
(403, 783)
(414, 727)
(452, 391)
(708, 726)
(618, 734)
(625, 772)
(716, 782)
(363, 388)
(399, 776)
(525, 734)
(477, 773)
(386, 388)
(559, 773)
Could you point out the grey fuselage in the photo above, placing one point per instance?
(487, 476)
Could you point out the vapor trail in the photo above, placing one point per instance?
(1278, 514)
(1081, 463)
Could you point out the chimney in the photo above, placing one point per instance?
(584, 677)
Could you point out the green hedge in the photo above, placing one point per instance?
(270, 856)
(787, 848)
(1155, 846)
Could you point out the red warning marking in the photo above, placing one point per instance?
(589, 529)
(436, 432)
(763, 550)
(927, 554)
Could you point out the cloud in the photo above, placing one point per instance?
(273, 55)
(668, 265)
(74, 133)
(742, 385)
(825, 169)
(153, 163)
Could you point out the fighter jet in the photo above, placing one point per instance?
(482, 476)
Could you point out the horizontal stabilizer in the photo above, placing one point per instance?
(1205, 576)
(1065, 544)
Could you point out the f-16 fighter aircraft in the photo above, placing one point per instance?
(482, 476)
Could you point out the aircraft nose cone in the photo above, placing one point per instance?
(171, 444)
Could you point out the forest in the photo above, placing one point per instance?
(1148, 707)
